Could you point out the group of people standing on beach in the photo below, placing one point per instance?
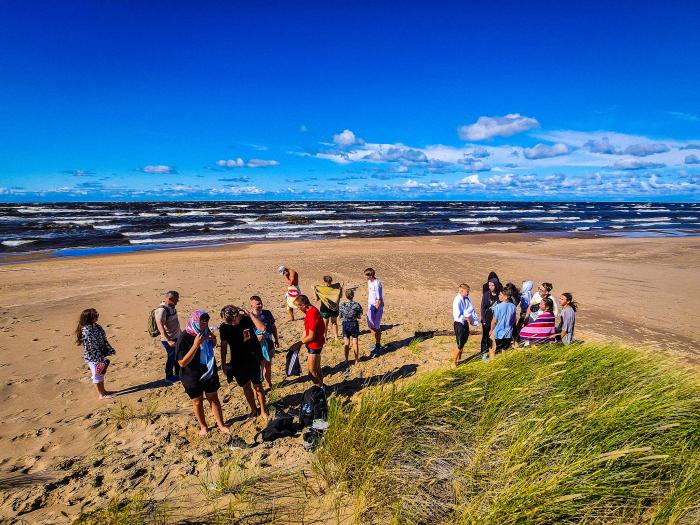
(502, 326)
(248, 337)
(248, 340)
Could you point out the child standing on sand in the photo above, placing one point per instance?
(502, 323)
(350, 313)
(96, 349)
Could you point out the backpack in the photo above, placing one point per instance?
(152, 326)
(280, 427)
(313, 406)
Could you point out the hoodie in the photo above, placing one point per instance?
(526, 296)
(487, 300)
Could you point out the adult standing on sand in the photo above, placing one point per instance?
(375, 309)
(245, 365)
(463, 313)
(490, 290)
(169, 328)
(314, 337)
(195, 354)
(293, 291)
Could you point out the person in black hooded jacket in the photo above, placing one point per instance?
(490, 291)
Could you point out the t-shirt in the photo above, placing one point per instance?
(190, 375)
(567, 324)
(314, 321)
(241, 339)
(269, 320)
(350, 311)
(504, 314)
(171, 324)
(374, 291)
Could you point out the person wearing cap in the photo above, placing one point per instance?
(293, 291)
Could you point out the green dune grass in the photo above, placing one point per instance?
(581, 434)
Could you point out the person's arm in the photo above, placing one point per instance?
(259, 325)
(190, 353)
(308, 337)
(456, 314)
(293, 276)
(380, 296)
(224, 353)
(493, 327)
(275, 336)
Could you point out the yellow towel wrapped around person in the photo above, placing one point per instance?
(329, 295)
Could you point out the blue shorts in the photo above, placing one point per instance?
(351, 329)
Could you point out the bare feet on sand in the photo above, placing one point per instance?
(108, 395)
(203, 431)
(225, 429)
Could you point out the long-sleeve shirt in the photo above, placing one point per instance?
(95, 343)
(374, 292)
(462, 309)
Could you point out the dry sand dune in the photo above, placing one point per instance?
(62, 448)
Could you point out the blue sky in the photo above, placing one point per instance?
(349, 100)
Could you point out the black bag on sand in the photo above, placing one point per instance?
(293, 367)
(312, 439)
(279, 427)
(313, 406)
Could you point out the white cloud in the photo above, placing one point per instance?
(692, 159)
(600, 146)
(691, 117)
(303, 129)
(542, 151)
(398, 154)
(159, 169)
(471, 164)
(470, 180)
(347, 138)
(240, 163)
(636, 164)
(646, 148)
(261, 163)
(489, 127)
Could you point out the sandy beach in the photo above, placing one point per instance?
(62, 448)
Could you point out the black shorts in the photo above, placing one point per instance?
(244, 372)
(314, 351)
(461, 334)
(327, 313)
(351, 329)
(503, 344)
(208, 386)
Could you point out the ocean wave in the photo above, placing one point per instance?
(453, 230)
(308, 212)
(189, 224)
(187, 213)
(109, 226)
(142, 234)
(645, 219)
(477, 220)
(18, 242)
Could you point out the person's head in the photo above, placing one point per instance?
(283, 270)
(328, 279)
(171, 298)
(302, 302)
(566, 299)
(256, 304)
(546, 304)
(527, 286)
(231, 314)
(492, 287)
(350, 294)
(87, 317)
(369, 273)
(545, 289)
(197, 323)
(464, 290)
(504, 295)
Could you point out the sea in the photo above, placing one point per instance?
(71, 229)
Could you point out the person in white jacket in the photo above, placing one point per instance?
(463, 313)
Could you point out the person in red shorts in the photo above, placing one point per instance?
(314, 337)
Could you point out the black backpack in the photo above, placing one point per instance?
(280, 427)
(313, 406)
(293, 366)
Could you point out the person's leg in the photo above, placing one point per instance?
(198, 405)
(250, 397)
(313, 365)
(98, 381)
(457, 352)
(334, 320)
(356, 346)
(169, 360)
(290, 313)
(326, 322)
(260, 395)
(215, 404)
(346, 347)
(267, 372)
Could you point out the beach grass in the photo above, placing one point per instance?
(592, 433)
